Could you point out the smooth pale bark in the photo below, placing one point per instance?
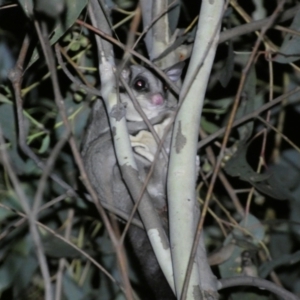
(116, 112)
(183, 208)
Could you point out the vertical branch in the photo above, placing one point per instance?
(158, 36)
(116, 113)
(183, 209)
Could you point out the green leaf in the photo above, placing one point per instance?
(71, 290)
(208, 126)
(287, 172)
(8, 122)
(290, 48)
(282, 260)
(243, 242)
(78, 114)
(15, 264)
(222, 103)
(8, 125)
(27, 7)
(56, 247)
(53, 9)
(249, 103)
(45, 144)
(24, 277)
(227, 71)
(173, 15)
(72, 10)
(266, 183)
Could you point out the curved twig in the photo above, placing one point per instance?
(255, 25)
(257, 282)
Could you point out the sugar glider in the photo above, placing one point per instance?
(103, 170)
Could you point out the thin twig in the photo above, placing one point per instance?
(32, 222)
(15, 76)
(223, 179)
(249, 116)
(62, 261)
(47, 171)
(86, 255)
(141, 57)
(255, 25)
(79, 85)
(16, 79)
(20, 222)
(279, 133)
(75, 67)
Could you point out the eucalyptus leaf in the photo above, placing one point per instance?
(8, 125)
(208, 126)
(7, 60)
(53, 9)
(290, 48)
(282, 260)
(294, 100)
(45, 144)
(23, 246)
(243, 241)
(8, 122)
(78, 114)
(56, 247)
(73, 9)
(249, 103)
(287, 172)
(173, 15)
(227, 71)
(222, 103)
(71, 290)
(252, 225)
(9, 270)
(27, 6)
(13, 266)
(266, 183)
(110, 4)
(25, 274)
